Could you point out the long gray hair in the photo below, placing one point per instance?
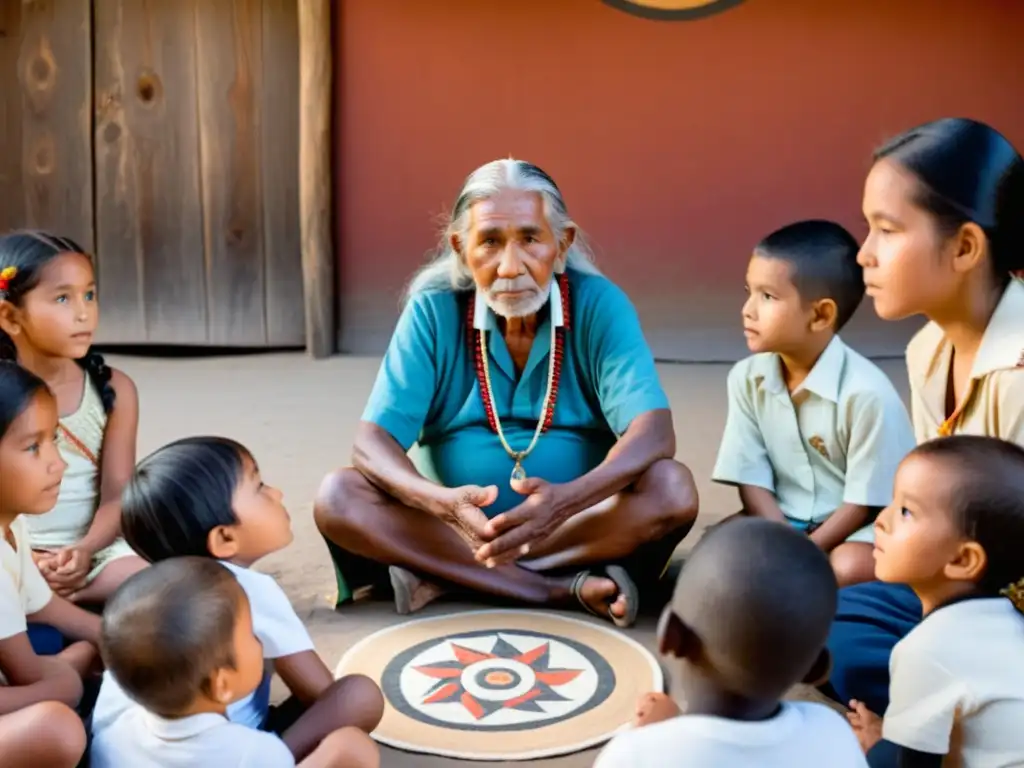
(448, 271)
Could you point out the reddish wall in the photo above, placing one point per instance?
(677, 144)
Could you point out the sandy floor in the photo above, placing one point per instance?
(298, 418)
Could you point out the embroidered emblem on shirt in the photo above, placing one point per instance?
(819, 445)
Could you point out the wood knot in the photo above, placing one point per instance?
(111, 132)
(149, 88)
(41, 70)
(43, 156)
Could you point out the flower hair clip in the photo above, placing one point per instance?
(1016, 594)
(6, 275)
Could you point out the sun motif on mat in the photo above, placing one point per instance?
(450, 675)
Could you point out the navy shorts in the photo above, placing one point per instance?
(870, 620)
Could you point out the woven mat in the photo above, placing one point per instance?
(503, 685)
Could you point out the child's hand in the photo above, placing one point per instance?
(67, 569)
(44, 559)
(866, 724)
(653, 708)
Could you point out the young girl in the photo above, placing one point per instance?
(944, 204)
(204, 497)
(48, 315)
(37, 726)
(953, 534)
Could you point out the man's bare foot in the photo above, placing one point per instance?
(411, 592)
(601, 595)
(653, 708)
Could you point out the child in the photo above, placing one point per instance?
(953, 534)
(204, 497)
(35, 692)
(179, 639)
(815, 431)
(48, 315)
(748, 621)
(943, 202)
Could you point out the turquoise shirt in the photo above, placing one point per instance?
(428, 399)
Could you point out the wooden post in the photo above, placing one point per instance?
(315, 203)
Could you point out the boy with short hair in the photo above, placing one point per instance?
(178, 638)
(815, 431)
(748, 620)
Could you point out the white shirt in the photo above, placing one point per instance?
(140, 740)
(802, 735)
(837, 439)
(274, 622)
(957, 685)
(23, 590)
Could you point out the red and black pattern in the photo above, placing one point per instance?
(449, 687)
(475, 336)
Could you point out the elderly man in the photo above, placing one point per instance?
(541, 441)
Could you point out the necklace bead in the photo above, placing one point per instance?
(557, 352)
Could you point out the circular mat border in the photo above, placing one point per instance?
(656, 674)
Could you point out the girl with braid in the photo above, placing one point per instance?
(48, 315)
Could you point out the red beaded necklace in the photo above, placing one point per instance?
(476, 341)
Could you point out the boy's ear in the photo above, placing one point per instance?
(969, 564)
(675, 637)
(824, 314)
(820, 671)
(220, 688)
(222, 542)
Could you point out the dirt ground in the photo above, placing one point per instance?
(298, 417)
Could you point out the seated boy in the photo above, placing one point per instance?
(205, 496)
(178, 638)
(748, 620)
(815, 431)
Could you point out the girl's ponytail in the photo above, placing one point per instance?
(98, 371)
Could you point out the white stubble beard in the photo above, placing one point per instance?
(525, 307)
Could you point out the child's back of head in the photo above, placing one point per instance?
(748, 620)
(822, 260)
(752, 608)
(172, 638)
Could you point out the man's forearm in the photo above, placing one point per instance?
(383, 462)
(650, 438)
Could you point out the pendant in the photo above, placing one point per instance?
(518, 473)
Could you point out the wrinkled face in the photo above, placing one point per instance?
(58, 317)
(512, 251)
(775, 318)
(908, 265)
(264, 525)
(31, 467)
(916, 537)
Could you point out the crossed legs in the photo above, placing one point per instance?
(658, 510)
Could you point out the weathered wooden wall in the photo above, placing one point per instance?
(163, 134)
(46, 97)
